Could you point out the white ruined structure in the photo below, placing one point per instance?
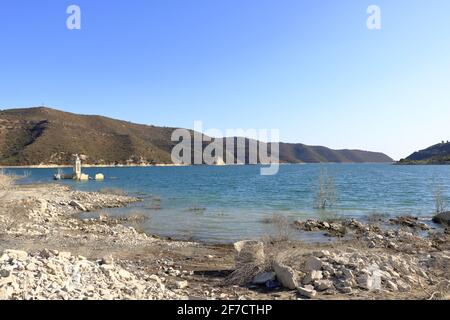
(77, 168)
(77, 174)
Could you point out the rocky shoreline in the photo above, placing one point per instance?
(48, 252)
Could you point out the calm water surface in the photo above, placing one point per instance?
(222, 204)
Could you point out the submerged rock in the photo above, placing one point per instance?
(442, 218)
(411, 222)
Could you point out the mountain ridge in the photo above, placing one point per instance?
(45, 136)
(436, 154)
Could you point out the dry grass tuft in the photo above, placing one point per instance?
(250, 261)
(280, 229)
(439, 200)
(6, 180)
(114, 191)
(326, 195)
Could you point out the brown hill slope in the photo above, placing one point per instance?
(436, 154)
(47, 136)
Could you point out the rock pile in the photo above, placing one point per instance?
(410, 222)
(332, 228)
(350, 271)
(373, 235)
(57, 275)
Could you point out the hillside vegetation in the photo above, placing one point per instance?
(437, 154)
(42, 135)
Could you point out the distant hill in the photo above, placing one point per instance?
(437, 154)
(46, 136)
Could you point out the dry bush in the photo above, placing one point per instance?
(250, 261)
(326, 192)
(439, 200)
(281, 229)
(245, 274)
(6, 180)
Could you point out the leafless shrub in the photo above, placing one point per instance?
(326, 192)
(26, 174)
(250, 261)
(245, 274)
(439, 200)
(6, 180)
(280, 229)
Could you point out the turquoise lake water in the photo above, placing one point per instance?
(223, 204)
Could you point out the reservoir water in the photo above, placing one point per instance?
(227, 203)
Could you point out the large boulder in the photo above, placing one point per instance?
(442, 218)
(286, 275)
(313, 264)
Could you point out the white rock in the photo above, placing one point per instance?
(65, 255)
(4, 258)
(31, 267)
(307, 291)
(322, 285)
(286, 275)
(181, 284)
(312, 276)
(125, 274)
(16, 254)
(313, 263)
(78, 205)
(369, 282)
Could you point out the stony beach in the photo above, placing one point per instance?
(49, 251)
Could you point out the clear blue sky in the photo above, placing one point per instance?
(310, 68)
